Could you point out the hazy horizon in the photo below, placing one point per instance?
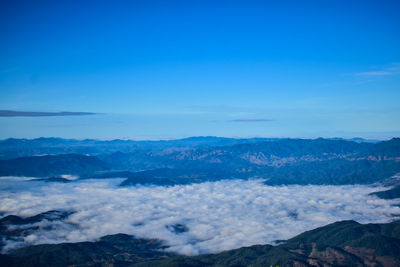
(349, 138)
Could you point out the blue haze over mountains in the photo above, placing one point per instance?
(199, 159)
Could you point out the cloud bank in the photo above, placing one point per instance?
(191, 219)
(13, 113)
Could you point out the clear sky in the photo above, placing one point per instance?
(171, 69)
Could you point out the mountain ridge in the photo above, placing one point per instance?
(341, 243)
(290, 161)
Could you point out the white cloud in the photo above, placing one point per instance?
(69, 177)
(219, 215)
(394, 69)
(374, 73)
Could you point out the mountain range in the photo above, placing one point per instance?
(198, 159)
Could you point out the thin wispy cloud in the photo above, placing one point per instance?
(394, 69)
(13, 113)
(374, 73)
(252, 120)
(224, 109)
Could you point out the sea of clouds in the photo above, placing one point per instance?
(217, 215)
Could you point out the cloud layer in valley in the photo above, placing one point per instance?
(191, 219)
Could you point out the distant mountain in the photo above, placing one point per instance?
(50, 215)
(281, 161)
(178, 176)
(14, 148)
(389, 194)
(334, 172)
(345, 243)
(279, 153)
(386, 149)
(52, 179)
(44, 166)
(356, 139)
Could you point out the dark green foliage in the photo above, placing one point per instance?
(334, 240)
(383, 238)
(120, 250)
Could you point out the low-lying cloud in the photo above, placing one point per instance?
(13, 113)
(191, 219)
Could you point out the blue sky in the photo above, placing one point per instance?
(171, 69)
